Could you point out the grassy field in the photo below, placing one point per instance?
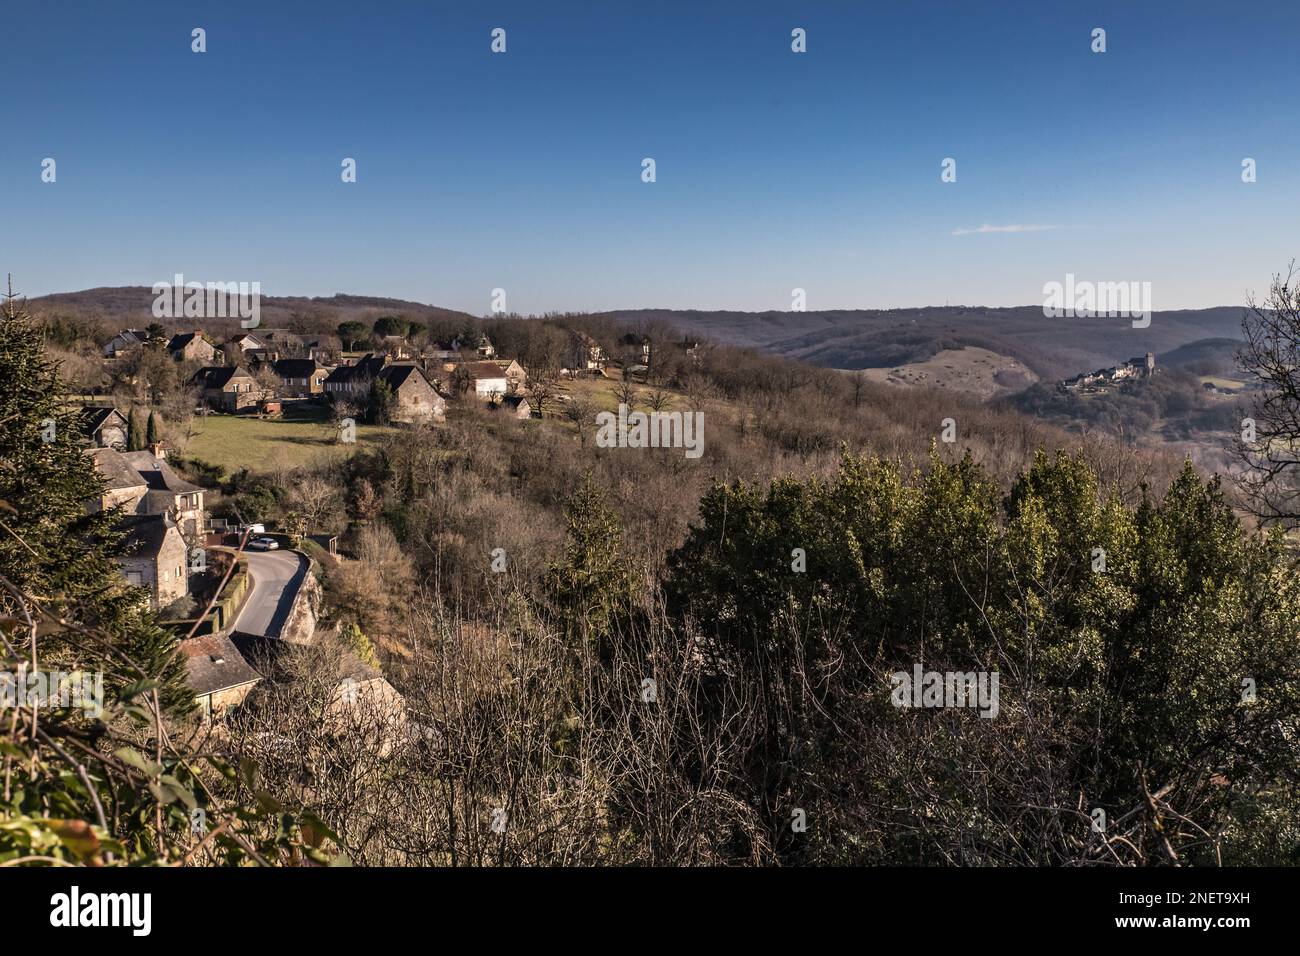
(1227, 384)
(264, 445)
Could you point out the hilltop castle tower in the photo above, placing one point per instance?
(1151, 364)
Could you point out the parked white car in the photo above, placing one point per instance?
(263, 543)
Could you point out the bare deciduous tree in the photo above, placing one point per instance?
(1269, 446)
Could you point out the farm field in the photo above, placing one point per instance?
(267, 445)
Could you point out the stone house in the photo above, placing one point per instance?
(255, 348)
(164, 518)
(352, 382)
(123, 486)
(485, 379)
(227, 387)
(300, 378)
(191, 347)
(103, 426)
(516, 406)
(323, 351)
(142, 483)
(155, 557)
(125, 341)
(219, 674)
(415, 400)
(167, 492)
(586, 357)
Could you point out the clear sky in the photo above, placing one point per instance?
(775, 170)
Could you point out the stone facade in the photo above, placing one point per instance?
(156, 559)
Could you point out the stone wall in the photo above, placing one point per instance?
(173, 555)
(300, 628)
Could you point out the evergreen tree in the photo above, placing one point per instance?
(55, 543)
(379, 408)
(1142, 649)
(135, 433)
(592, 584)
(151, 434)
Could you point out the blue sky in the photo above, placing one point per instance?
(775, 170)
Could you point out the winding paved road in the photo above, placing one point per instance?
(277, 576)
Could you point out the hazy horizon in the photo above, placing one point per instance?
(622, 308)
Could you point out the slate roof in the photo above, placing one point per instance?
(157, 474)
(217, 376)
(93, 418)
(112, 464)
(295, 368)
(215, 664)
(396, 375)
(485, 369)
(368, 366)
(180, 340)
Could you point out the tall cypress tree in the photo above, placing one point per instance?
(151, 433)
(134, 432)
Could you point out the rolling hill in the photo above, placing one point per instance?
(1051, 348)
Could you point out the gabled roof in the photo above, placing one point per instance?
(218, 376)
(396, 375)
(368, 366)
(214, 663)
(94, 417)
(249, 340)
(112, 464)
(295, 368)
(182, 339)
(157, 474)
(484, 369)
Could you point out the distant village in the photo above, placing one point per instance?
(259, 371)
(1143, 366)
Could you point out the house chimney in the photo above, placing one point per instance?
(159, 453)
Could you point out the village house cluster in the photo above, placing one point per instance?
(257, 372)
(1103, 378)
(167, 538)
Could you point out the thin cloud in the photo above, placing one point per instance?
(1014, 227)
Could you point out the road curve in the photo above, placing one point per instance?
(277, 576)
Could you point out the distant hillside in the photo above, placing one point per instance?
(975, 371)
(1205, 357)
(1052, 348)
(131, 306)
(858, 339)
